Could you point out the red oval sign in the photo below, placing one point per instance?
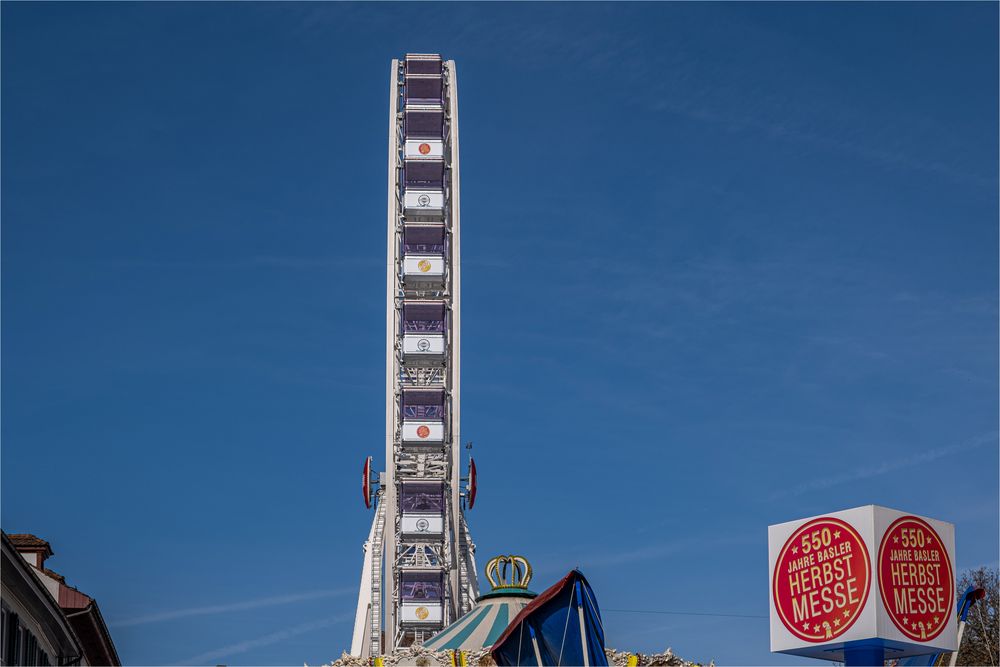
(915, 578)
(423, 431)
(424, 149)
(366, 482)
(821, 580)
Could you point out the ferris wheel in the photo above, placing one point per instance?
(419, 570)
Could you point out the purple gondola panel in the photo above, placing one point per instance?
(423, 255)
(421, 506)
(423, 143)
(423, 416)
(422, 594)
(424, 324)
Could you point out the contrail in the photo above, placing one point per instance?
(209, 657)
(885, 467)
(233, 606)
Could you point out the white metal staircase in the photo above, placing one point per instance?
(376, 602)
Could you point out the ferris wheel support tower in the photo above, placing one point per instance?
(419, 571)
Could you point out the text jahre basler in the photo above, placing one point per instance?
(822, 581)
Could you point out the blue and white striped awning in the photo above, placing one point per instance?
(484, 624)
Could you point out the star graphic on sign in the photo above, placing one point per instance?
(937, 619)
(905, 620)
(913, 625)
(895, 539)
(930, 540)
(836, 534)
(815, 628)
(805, 626)
(836, 622)
(795, 550)
(847, 613)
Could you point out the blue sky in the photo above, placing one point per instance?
(724, 266)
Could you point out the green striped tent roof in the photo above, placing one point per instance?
(484, 623)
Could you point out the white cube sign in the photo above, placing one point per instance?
(868, 576)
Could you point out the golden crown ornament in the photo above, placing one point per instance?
(508, 572)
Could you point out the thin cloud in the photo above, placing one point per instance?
(294, 263)
(234, 606)
(783, 131)
(659, 551)
(209, 657)
(634, 555)
(885, 467)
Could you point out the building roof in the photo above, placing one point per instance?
(93, 633)
(78, 609)
(23, 583)
(29, 542)
(55, 575)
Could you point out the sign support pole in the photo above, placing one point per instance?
(863, 655)
(971, 595)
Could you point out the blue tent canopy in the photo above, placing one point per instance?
(562, 626)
